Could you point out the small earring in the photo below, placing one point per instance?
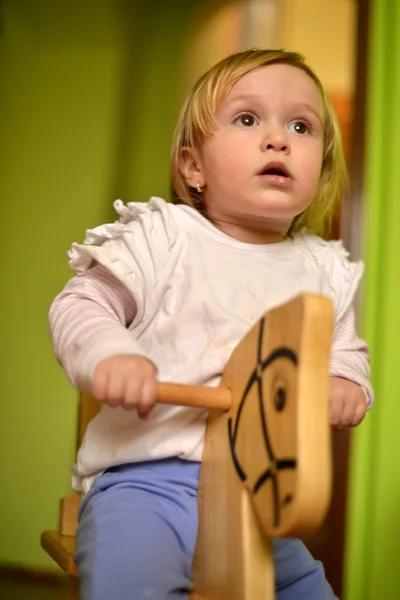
(198, 187)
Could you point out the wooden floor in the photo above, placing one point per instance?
(11, 590)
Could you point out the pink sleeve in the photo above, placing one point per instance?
(88, 323)
(350, 355)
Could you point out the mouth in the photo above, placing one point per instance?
(276, 169)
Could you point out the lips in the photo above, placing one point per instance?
(276, 168)
(276, 174)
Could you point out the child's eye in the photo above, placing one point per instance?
(300, 127)
(246, 120)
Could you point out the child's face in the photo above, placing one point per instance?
(270, 122)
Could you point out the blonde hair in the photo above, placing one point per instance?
(197, 117)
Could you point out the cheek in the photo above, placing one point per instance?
(312, 165)
(223, 165)
(316, 172)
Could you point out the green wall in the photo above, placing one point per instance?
(374, 510)
(88, 100)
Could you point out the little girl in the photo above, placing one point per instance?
(169, 290)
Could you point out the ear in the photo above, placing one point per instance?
(190, 165)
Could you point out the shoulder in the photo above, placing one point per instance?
(156, 215)
(339, 274)
(144, 231)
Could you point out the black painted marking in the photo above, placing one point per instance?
(236, 463)
(280, 399)
(280, 465)
(287, 499)
(280, 404)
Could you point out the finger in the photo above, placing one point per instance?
(100, 385)
(116, 389)
(132, 393)
(359, 414)
(348, 412)
(148, 397)
(336, 411)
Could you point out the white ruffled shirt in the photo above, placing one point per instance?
(165, 283)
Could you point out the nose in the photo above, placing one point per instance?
(275, 138)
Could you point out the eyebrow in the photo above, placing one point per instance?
(309, 107)
(295, 106)
(241, 97)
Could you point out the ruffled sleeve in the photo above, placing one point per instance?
(138, 224)
(133, 249)
(118, 267)
(340, 281)
(341, 276)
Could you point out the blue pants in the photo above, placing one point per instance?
(137, 536)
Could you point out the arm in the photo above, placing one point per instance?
(88, 323)
(350, 356)
(351, 391)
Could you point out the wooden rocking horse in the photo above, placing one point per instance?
(266, 469)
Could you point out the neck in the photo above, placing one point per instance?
(251, 233)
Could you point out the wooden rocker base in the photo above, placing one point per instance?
(61, 548)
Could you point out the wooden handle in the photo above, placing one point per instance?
(195, 395)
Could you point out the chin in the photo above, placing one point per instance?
(272, 211)
(279, 208)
